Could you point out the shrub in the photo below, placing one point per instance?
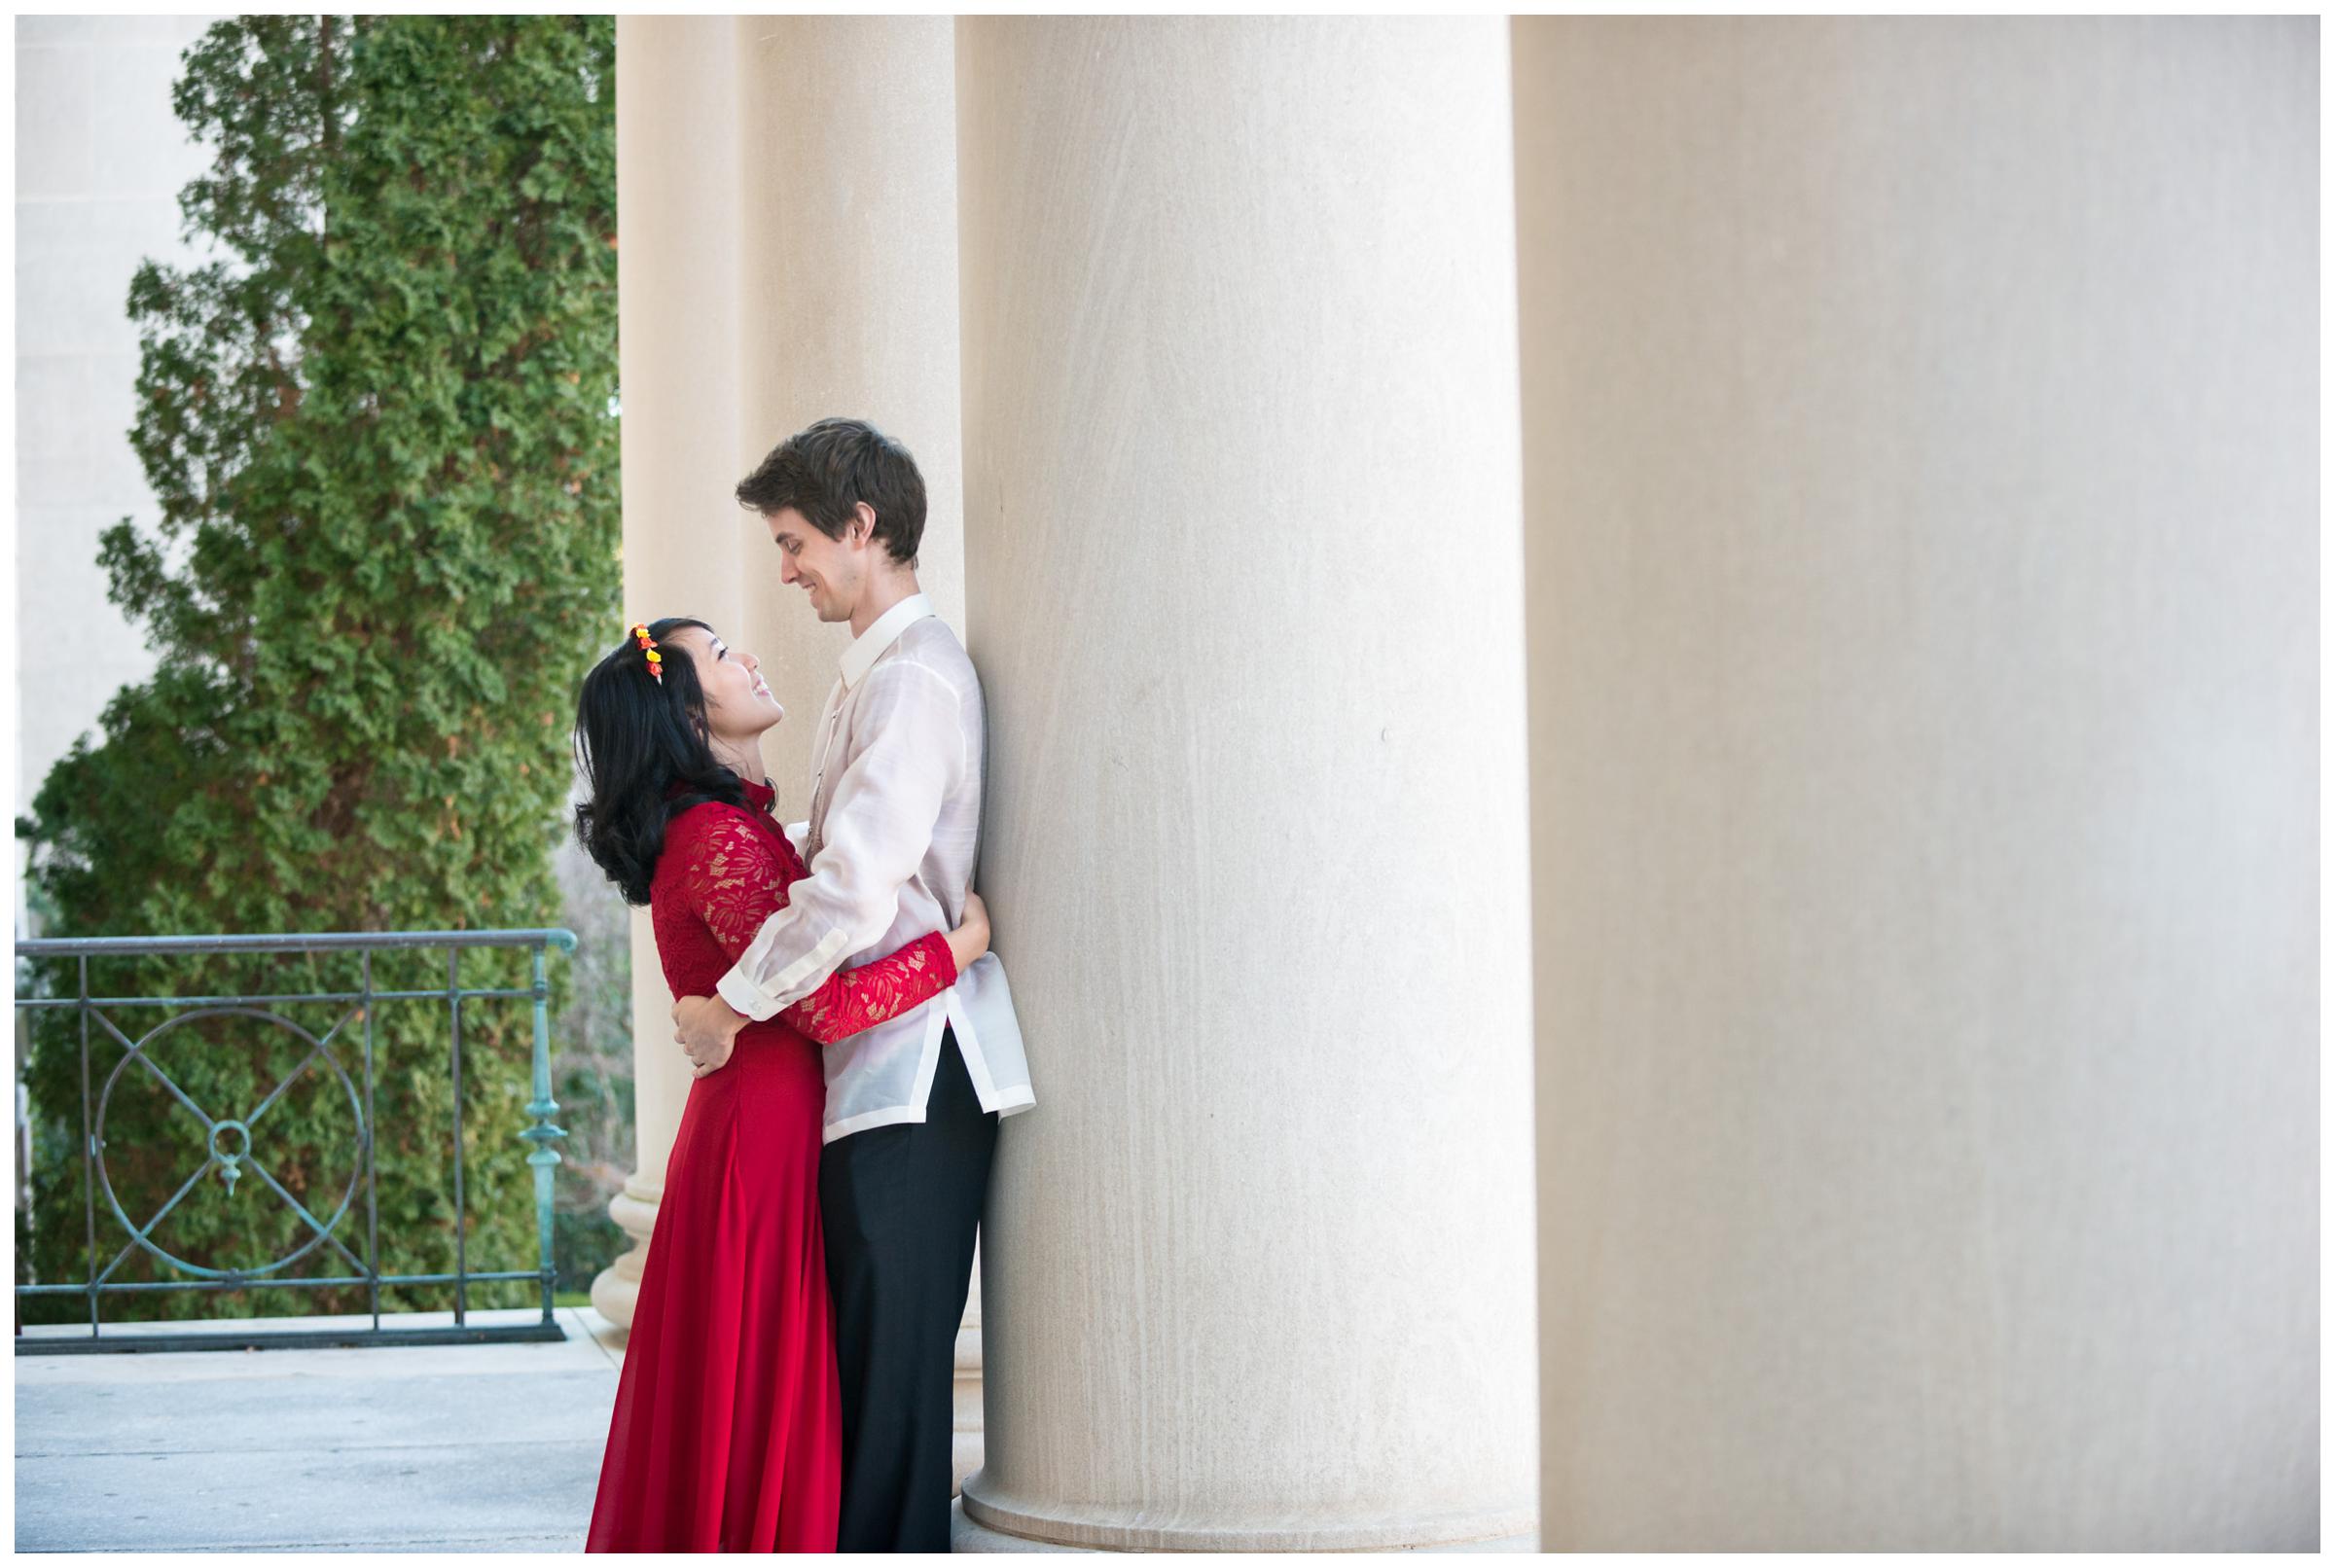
(378, 419)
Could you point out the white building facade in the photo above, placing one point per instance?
(100, 158)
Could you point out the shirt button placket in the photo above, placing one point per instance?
(818, 777)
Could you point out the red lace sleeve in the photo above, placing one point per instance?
(855, 999)
(737, 879)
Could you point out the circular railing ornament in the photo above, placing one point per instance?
(229, 1165)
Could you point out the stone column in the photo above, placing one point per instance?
(848, 296)
(1242, 529)
(787, 195)
(1921, 477)
(679, 335)
(849, 299)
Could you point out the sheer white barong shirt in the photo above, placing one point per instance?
(895, 821)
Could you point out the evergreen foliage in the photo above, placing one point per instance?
(378, 421)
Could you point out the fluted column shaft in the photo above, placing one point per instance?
(1241, 443)
(848, 294)
(1922, 453)
(847, 291)
(679, 345)
(786, 194)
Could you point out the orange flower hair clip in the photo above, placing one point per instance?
(648, 647)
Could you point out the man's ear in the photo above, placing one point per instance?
(863, 527)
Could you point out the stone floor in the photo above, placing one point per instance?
(396, 1448)
(437, 1448)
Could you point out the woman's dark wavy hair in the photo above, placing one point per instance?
(635, 737)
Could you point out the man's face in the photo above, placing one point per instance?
(830, 571)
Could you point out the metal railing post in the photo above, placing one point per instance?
(89, 1147)
(453, 996)
(543, 1134)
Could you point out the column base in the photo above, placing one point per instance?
(977, 1525)
(966, 1536)
(617, 1287)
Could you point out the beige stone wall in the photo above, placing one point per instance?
(1921, 493)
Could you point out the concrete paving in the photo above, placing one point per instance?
(400, 1448)
(439, 1448)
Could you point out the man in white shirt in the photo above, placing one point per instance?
(911, 1104)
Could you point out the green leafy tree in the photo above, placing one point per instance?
(378, 416)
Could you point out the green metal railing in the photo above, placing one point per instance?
(231, 1150)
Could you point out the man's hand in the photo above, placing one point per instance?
(707, 1029)
(970, 940)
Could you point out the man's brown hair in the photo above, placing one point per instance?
(826, 470)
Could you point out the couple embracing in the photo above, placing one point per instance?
(788, 1381)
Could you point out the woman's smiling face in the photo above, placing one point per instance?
(739, 704)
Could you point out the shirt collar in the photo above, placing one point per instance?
(872, 643)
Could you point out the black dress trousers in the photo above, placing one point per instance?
(902, 1207)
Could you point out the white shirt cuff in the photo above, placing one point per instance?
(744, 999)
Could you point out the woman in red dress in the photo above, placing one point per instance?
(727, 1435)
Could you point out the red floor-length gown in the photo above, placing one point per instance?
(727, 1435)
